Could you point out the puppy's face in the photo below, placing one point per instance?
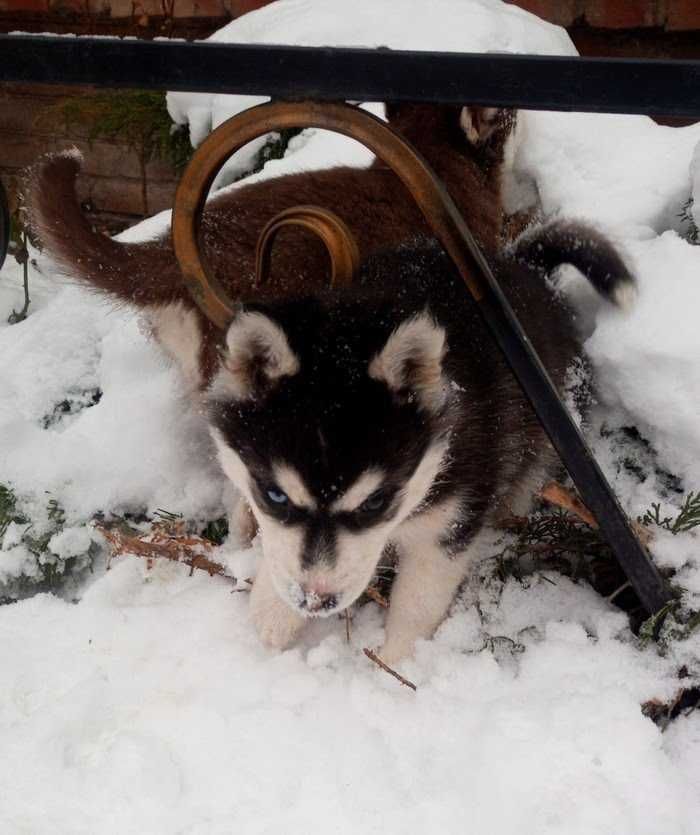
(332, 429)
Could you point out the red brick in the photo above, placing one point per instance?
(25, 115)
(123, 196)
(628, 14)
(683, 14)
(206, 8)
(110, 159)
(241, 7)
(24, 5)
(562, 12)
(154, 8)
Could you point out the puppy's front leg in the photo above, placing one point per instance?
(424, 588)
(277, 624)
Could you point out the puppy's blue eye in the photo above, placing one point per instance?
(374, 502)
(277, 496)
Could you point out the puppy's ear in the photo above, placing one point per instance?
(488, 127)
(480, 123)
(411, 362)
(257, 355)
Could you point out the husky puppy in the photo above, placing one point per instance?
(386, 416)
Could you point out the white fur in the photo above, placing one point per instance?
(177, 329)
(425, 586)
(253, 337)
(291, 482)
(231, 464)
(358, 492)
(477, 135)
(276, 622)
(518, 501)
(418, 343)
(625, 295)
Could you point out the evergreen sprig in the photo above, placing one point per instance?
(688, 516)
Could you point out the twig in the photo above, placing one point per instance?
(373, 593)
(558, 495)
(347, 625)
(174, 548)
(378, 661)
(619, 590)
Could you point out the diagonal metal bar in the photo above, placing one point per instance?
(613, 85)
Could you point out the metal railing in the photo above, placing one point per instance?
(665, 88)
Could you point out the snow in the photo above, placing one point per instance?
(154, 719)
(149, 706)
(445, 25)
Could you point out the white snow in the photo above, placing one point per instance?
(445, 25)
(150, 706)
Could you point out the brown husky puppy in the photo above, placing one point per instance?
(464, 145)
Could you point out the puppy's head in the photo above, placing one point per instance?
(332, 424)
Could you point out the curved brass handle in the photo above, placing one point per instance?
(334, 232)
(442, 215)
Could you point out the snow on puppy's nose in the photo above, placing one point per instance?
(317, 601)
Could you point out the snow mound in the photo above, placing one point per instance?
(151, 707)
(445, 25)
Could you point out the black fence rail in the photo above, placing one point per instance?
(663, 88)
(537, 82)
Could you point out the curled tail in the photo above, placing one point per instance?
(141, 274)
(582, 246)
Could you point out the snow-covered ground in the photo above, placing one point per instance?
(150, 707)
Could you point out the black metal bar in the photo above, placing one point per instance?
(612, 85)
(573, 450)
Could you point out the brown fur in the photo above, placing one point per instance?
(373, 202)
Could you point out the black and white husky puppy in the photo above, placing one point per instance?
(386, 416)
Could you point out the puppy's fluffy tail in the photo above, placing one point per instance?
(582, 246)
(141, 274)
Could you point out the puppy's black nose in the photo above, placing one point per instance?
(314, 602)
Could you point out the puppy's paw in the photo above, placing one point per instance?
(276, 624)
(394, 652)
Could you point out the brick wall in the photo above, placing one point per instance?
(149, 18)
(111, 182)
(110, 185)
(670, 15)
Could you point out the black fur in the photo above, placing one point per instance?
(582, 246)
(331, 421)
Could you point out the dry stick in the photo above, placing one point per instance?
(171, 549)
(378, 661)
(178, 548)
(558, 495)
(373, 594)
